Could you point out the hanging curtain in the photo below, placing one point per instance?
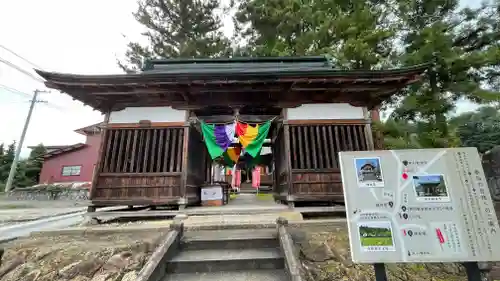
(252, 137)
(256, 177)
(218, 138)
(236, 178)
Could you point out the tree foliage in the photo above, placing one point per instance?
(356, 34)
(480, 129)
(177, 29)
(28, 170)
(461, 46)
(400, 134)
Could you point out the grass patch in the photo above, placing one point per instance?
(291, 216)
(376, 241)
(264, 196)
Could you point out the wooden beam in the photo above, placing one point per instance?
(142, 125)
(329, 121)
(228, 118)
(100, 159)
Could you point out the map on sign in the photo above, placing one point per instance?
(419, 205)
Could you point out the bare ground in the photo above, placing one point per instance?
(325, 256)
(96, 257)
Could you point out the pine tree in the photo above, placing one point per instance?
(462, 47)
(356, 34)
(7, 159)
(178, 29)
(20, 179)
(34, 164)
(480, 129)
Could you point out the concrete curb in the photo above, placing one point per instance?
(155, 267)
(44, 217)
(4, 241)
(292, 263)
(139, 228)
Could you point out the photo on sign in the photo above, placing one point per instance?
(430, 188)
(369, 172)
(376, 236)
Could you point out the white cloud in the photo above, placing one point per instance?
(65, 36)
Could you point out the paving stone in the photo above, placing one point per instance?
(251, 275)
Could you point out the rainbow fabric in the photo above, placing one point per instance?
(252, 137)
(218, 138)
(231, 156)
(234, 153)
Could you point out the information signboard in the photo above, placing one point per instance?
(419, 205)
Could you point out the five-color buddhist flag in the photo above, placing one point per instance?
(218, 138)
(252, 137)
(231, 156)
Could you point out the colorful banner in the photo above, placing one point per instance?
(252, 137)
(231, 156)
(218, 138)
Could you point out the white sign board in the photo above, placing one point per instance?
(420, 205)
(211, 193)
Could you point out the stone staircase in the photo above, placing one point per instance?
(246, 187)
(223, 255)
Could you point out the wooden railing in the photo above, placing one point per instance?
(317, 146)
(143, 150)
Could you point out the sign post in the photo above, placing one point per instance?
(420, 205)
(380, 274)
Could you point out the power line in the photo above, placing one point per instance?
(12, 173)
(16, 91)
(19, 56)
(8, 63)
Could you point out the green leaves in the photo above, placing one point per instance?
(177, 29)
(463, 44)
(28, 171)
(479, 129)
(357, 34)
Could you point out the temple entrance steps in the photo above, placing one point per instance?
(228, 255)
(246, 187)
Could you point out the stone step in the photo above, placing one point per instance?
(249, 275)
(226, 260)
(230, 239)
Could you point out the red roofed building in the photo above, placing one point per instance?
(72, 163)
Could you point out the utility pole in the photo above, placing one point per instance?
(13, 167)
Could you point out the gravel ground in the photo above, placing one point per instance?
(83, 257)
(325, 256)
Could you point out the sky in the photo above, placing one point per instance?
(80, 37)
(429, 179)
(361, 162)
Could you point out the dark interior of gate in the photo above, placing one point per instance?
(165, 163)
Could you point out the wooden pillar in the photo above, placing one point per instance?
(288, 161)
(368, 130)
(185, 158)
(378, 137)
(274, 149)
(375, 114)
(100, 157)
